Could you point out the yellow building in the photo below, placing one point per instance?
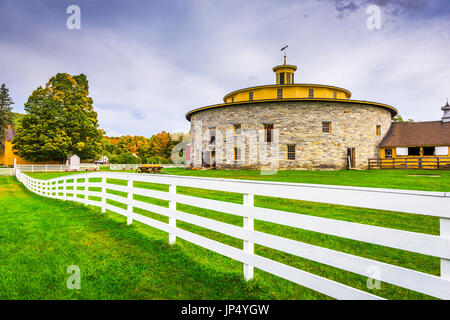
(424, 145)
(305, 126)
(7, 155)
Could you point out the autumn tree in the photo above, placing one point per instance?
(59, 121)
(6, 114)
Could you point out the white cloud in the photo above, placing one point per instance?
(144, 80)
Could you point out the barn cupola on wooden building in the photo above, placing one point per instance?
(446, 116)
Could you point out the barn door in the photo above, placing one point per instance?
(351, 158)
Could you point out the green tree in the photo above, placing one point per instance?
(6, 114)
(60, 121)
(125, 158)
(398, 118)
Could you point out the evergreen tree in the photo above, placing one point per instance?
(6, 114)
(60, 121)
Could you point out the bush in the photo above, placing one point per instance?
(156, 160)
(124, 158)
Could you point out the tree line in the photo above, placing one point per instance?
(60, 121)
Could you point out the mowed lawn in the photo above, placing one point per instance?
(45, 236)
(40, 238)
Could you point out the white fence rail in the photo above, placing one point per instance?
(58, 167)
(414, 202)
(6, 171)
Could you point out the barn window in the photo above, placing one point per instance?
(291, 152)
(237, 128)
(311, 93)
(237, 154)
(288, 78)
(334, 95)
(212, 135)
(428, 151)
(378, 130)
(232, 99)
(326, 126)
(414, 151)
(280, 93)
(268, 128)
(388, 153)
(250, 95)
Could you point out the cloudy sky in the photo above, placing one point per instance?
(149, 62)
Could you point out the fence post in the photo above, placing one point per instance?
(15, 166)
(103, 194)
(249, 247)
(172, 206)
(64, 189)
(86, 189)
(445, 233)
(75, 188)
(130, 198)
(32, 168)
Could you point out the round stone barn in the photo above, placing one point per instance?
(288, 125)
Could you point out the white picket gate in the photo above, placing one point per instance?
(414, 202)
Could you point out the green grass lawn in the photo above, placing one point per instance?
(77, 226)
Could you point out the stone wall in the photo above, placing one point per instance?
(299, 123)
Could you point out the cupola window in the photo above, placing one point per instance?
(282, 78)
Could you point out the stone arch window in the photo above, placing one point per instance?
(268, 128)
(237, 127)
(291, 150)
(237, 154)
(378, 130)
(212, 135)
(326, 126)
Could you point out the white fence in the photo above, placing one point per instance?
(415, 202)
(6, 171)
(130, 166)
(58, 167)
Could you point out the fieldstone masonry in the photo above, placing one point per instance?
(298, 123)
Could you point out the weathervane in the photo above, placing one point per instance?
(284, 51)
